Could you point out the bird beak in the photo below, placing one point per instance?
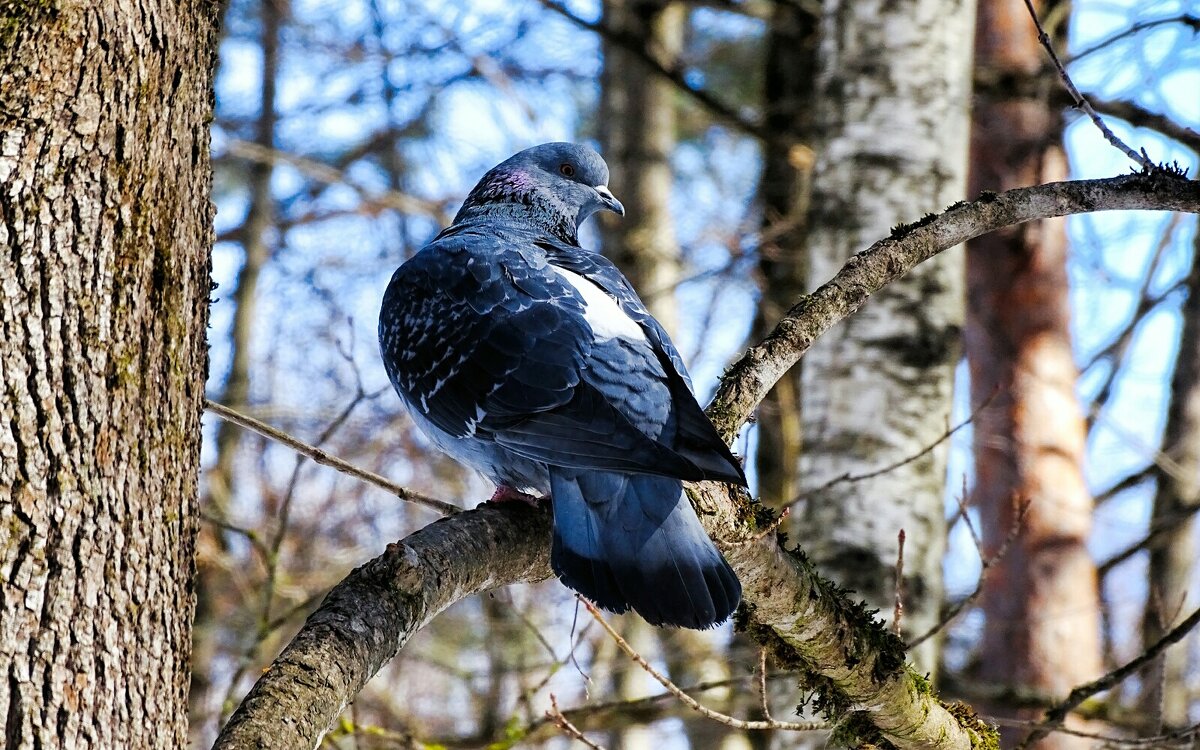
(610, 201)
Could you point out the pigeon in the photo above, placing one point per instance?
(533, 361)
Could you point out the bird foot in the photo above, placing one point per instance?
(506, 494)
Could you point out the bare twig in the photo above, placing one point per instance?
(566, 726)
(1114, 352)
(987, 564)
(267, 623)
(325, 459)
(250, 535)
(1141, 117)
(324, 173)
(1127, 482)
(644, 709)
(1140, 159)
(764, 704)
(1182, 738)
(672, 70)
(898, 612)
(1162, 526)
(1056, 715)
(848, 477)
(689, 701)
(1185, 19)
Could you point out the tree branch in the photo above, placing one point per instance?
(670, 69)
(748, 380)
(1056, 715)
(326, 459)
(853, 666)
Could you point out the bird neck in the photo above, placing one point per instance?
(535, 215)
(514, 195)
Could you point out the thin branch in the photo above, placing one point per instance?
(1140, 117)
(1140, 159)
(850, 478)
(267, 624)
(1128, 482)
(1185, 19)
(642, 710)
(687, 700)
(324, 173)
(991, 82)
(326, 459)
(672, 70)
(764, 704)
(898, 610)
(250, 535)
(1114, 352)
(987, 564)
(1056, 715)
(566, 726)
(637, 706)
(1156, 530)
(1185, 737)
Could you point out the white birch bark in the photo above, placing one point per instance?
(893, 92)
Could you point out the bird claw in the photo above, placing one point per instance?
(506, 494)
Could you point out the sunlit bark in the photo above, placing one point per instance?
(105, 232)
(1041, 601)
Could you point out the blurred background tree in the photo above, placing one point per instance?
(757, 144)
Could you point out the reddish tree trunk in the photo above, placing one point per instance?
(1041, 602)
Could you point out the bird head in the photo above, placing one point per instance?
(565, 180)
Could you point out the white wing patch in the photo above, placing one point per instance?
(603, 314)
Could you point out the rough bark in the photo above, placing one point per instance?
(105, 228)
(637, 133)
(1173, 553)
(849, 663)
(1041, 602)
(784, 191)
(892, 123)
(370, 615)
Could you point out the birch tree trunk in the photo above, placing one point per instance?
(105, 228)
(1041, 601)
(892, 97)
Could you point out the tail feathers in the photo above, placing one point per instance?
(633, 541)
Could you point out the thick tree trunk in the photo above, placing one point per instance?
(892, 125)
(637, 135)
(1173, 554)
(105, 228)
(1040, 602)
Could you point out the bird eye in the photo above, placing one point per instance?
(567, 170)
